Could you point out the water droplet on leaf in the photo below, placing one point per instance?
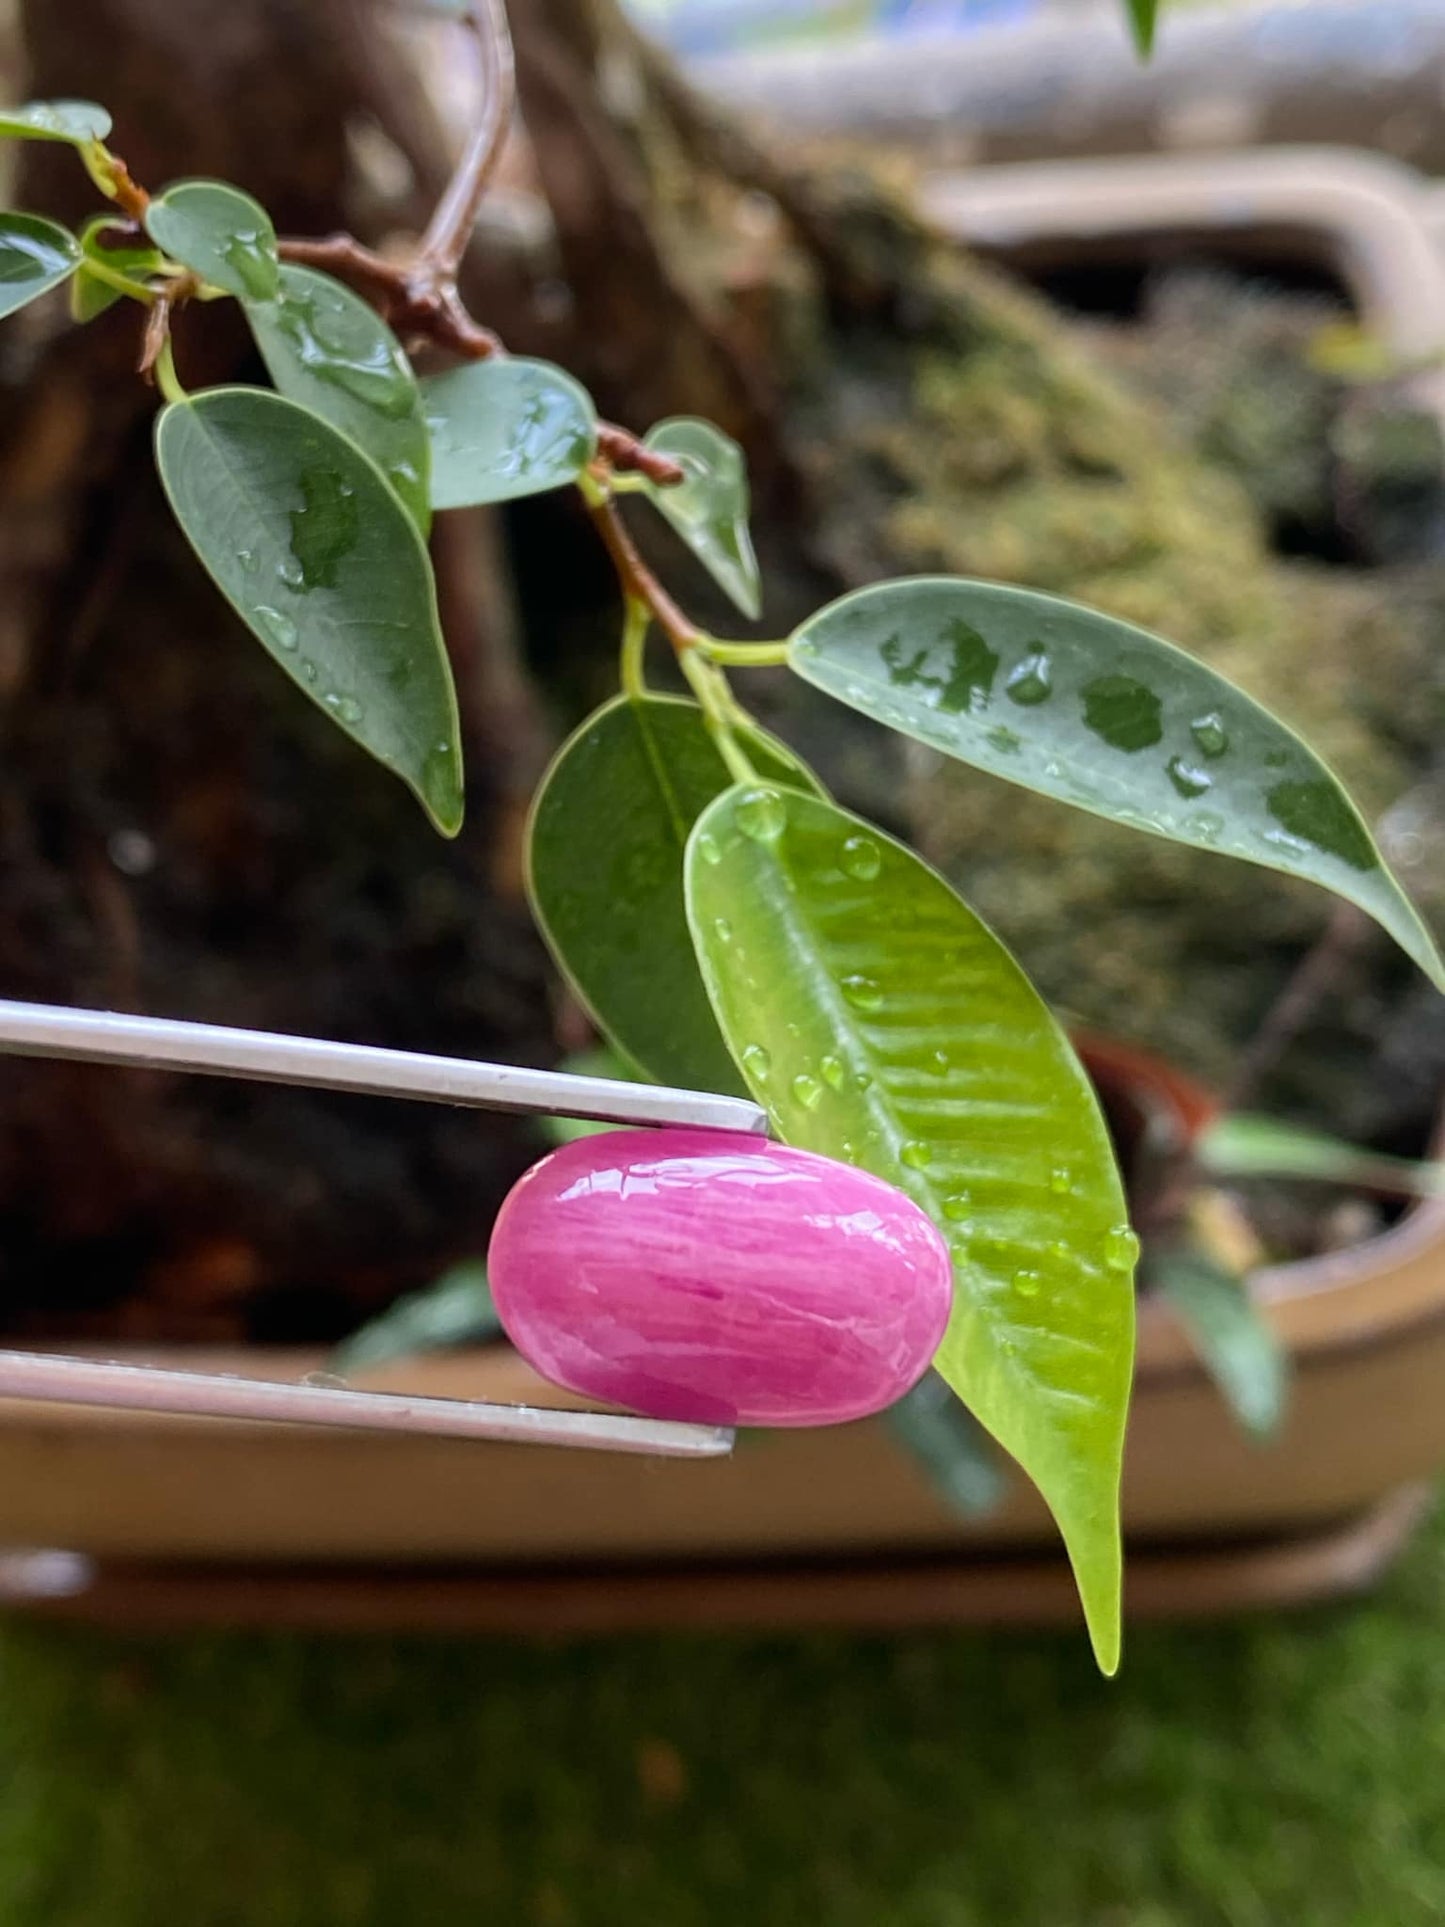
(722, 929)
(957, 1207)
(707, 849)
(1026, 1283)
(861, 858)
(756, 1062)
(274, 626)
(807, 1090)
(1188, 778)
(1210, 734)
(833, 1072)
(1032, 681)
(916, 1154)
(762, 814)
(1061, 1181)
(862, 992)
(1121, 1248)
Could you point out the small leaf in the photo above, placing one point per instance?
(219, 233)
(326, 348)
(605, 845)
(307, 541)
(35, 256)
(456, 1310)
(1100, 714)
(1241, 1353)
(89, 294)
(882, 1023)
(77, 121)
(1143, 20)
(505, 427)
(709, 509)
(1244, 1146)
(952, 1447)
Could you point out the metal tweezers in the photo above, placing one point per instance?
(158, 1043)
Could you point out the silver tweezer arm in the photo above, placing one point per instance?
(161, 1043)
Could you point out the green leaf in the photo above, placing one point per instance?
(219, 233)
(307, 541)
(1100, 714)
(1240, 1352)
(709, 509)
(506, 427)
(326, 348)
(882, 1023)
(89, 294)
(609, 824)
(35, 256)
(77, 121)
(456, 1310)
(1143, 20)
(952, 1447)
(1245, 1146)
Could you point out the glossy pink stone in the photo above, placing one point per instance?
(706, 1276)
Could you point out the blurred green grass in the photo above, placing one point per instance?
(1269, 1772)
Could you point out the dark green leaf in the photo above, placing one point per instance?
(77, 121)
(456, 1310)
(709, 509)
(608, 828)
(952, 1447)
(1243, 1146)
(506, 427)
(310, 545)
(89, 294)
(882, 1023)
(1143, 20)
(219, 233)
(328, 349)
(1103, 715)
(35, 256)
(1242, 1354)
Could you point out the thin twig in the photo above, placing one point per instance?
(450, 228)
(639, 584)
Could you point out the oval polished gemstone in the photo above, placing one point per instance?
(708, 1276)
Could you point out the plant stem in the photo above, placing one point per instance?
(164, 365)
(636, 622)
(639, 584)
(450, 228)
(744, 655)
(720, 711)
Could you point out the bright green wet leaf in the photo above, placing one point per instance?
(76, 121)
(1236, 1345)
(605, 847)
(882, 1023)
(1093, 711)
(456, 1310)
(1143, 21)
(307, 541)
(709, 508)
(505, 427)
(328, 349)
(35, 256)
(89, 294)
(219, 233)
(1244, 1146)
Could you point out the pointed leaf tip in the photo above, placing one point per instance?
(709, 507)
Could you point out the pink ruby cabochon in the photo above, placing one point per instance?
(710, 1276)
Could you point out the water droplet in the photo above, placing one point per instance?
(1061, 1181)
(309, 669)
(1026, 1283)
(1210, 734)
(1188, 778)
(1121, 1248)
(247, 560)
(350, 710)
(290, 571)
(938, 1063)
(707, 848)
(834, 1073)
(805, 648)
(762, 815)
(255, 265)
(850, 1150)
(957, 1207)
(861, 858)
(274, 626)
(1032, 681)
(807, 1090)
(862, 992)
(1207, 825)
(1053, 769)
(1060, 1252)
(863, 1080)
(916, 1154)
(756, 1062)
(1007, 742)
